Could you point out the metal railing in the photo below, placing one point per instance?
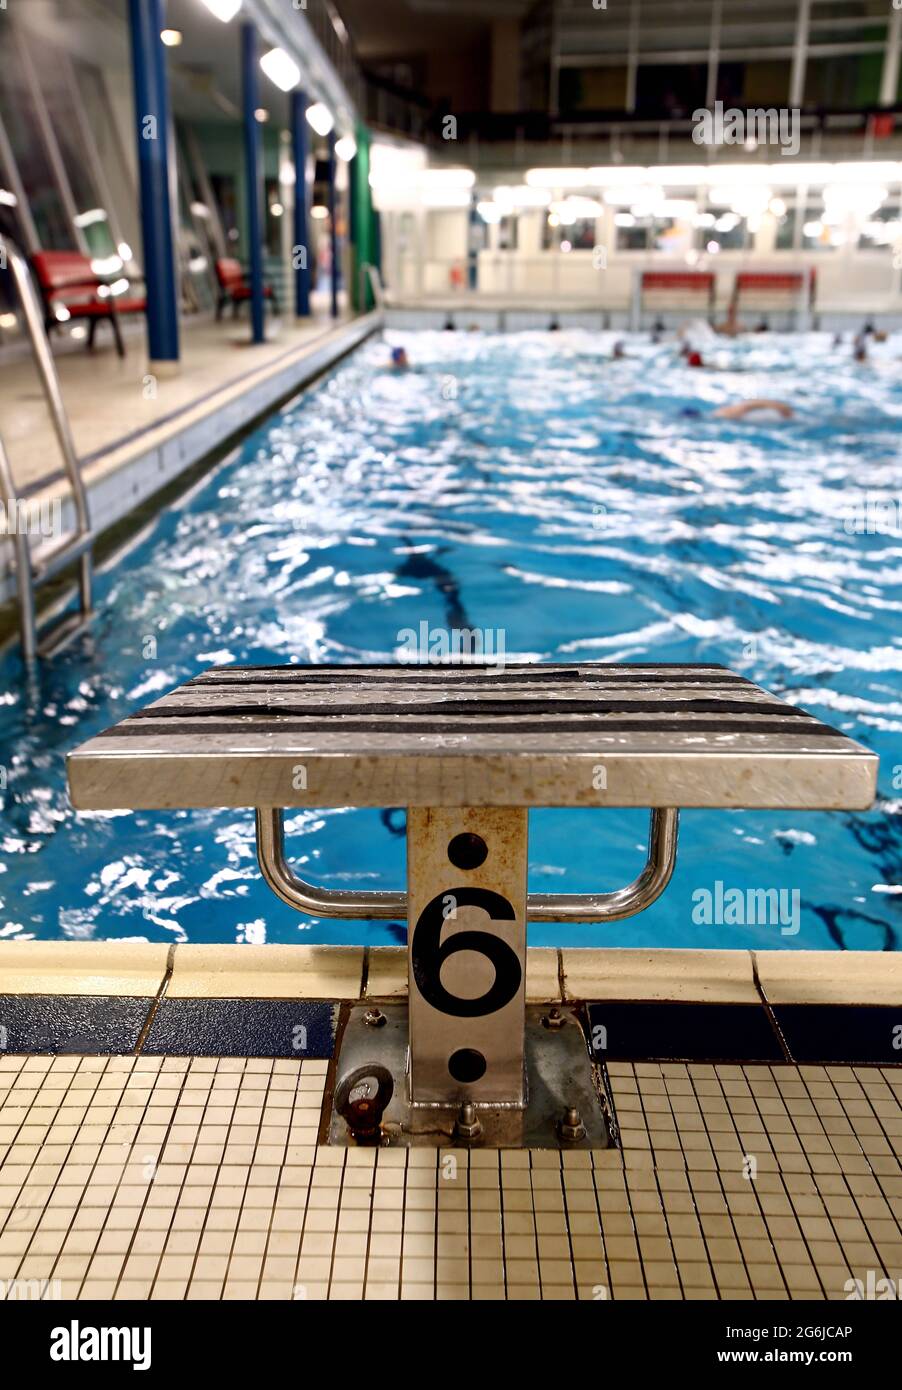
(34, 568)
(540, 907)
(371, 273)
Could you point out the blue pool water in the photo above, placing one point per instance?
(525, 483)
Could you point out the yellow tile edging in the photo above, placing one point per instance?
(704, 976)
(266, 972)
(83, 967)
(345, 972)
(830, 977)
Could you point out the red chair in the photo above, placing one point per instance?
(234, 289)
(67, 281)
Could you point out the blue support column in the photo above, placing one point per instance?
(333, 235)
(156, 169)
(301, 236)
(253, 172)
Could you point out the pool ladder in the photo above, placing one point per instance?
(371, 272)
(36, 565)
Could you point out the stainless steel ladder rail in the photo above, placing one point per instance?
(32, 570)
(371, 272)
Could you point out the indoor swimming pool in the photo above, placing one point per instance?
(569, 507)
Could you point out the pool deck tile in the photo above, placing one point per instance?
(200, 1178)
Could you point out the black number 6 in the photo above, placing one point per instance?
(428, 955)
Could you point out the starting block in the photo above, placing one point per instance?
(468, 750)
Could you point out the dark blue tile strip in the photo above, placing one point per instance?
(647, 1032)
(842, 1033)
(71, 1023)
(295, 1028)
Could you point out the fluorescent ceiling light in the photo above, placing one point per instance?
(447, 178)
(7, 199)
(558, 178)
(346, 148)
(569, 209)
(281, 68)
(320, 118)
(87, 219)
(621, 174)
(261, 114)
(319, 213)
(438, 197)
(522, 196)
(223, 9)
(490, 212)
(171, 37)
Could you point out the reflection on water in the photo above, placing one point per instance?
(528, 484)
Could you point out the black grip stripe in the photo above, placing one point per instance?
(603, 724)
(472, 709)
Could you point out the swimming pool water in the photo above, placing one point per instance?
(527, 484)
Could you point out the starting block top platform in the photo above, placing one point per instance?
(587, 734)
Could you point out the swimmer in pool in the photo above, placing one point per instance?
(740, 409)
(399, 359)
(619, 350)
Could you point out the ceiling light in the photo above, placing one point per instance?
(281, 68)
(8, 320)
(522, 196)
(87, 219)
(558, 178)
(125, 251)
(346, 148)
(223, 9)
(490, 212)
(7, 199)
(261, 114)
(171, 37)
(320, 118)
(276, 209)
(319, 213)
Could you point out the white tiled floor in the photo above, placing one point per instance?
(173, 1178)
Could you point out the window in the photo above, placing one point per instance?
(508, 233)
(20, 118)
(883, 230)
(816, 235)
(727, 230)
(573, 236)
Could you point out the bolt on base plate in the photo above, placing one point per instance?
(560, 1079)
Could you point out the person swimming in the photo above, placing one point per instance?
(740, 409)
(399, 359)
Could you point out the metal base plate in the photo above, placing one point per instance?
(559, 1074)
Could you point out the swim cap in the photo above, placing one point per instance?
(694, 359)
(398, 354)
(691, 410)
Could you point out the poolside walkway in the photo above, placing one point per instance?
(138, 1160)
(200, 1178)
(110, 400)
